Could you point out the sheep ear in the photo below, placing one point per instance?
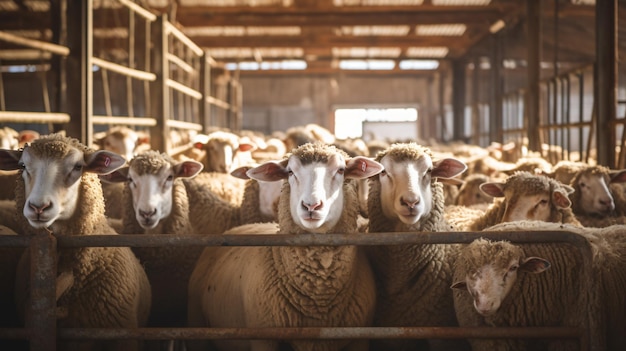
(241, 172)
(459, 285)
(448, 168)
(9, 159)
(120, 175)
(618, 176)
(246, 147)
(568, 189)
(269, 171)
(103, 162)
(187, 169)
(534, 265)
(560, 199)
(494, 189)
(361, 167)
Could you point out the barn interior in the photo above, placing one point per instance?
(544, 74)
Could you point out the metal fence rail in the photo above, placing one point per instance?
(42, 333)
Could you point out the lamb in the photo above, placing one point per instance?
(500, 295)
(156, 202)
(412, 280)
(59, 193)
(283, 286)
(525, 196)
(122, 140)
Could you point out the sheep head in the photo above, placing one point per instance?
(52, 168)
(489, 270)
(151, 178)
(593, 195)
(316, 174)
(530, 197)
(405, 184)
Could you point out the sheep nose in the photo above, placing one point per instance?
(409, 203)
(608, 204)
(39, 208)
(147, 214)
(313, 206)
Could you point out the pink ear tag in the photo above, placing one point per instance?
(363, 166)
(107, 161)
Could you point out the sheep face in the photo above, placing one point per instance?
(51, 169)
(316, 186)
(489, 270)
(406, 192)
(594, 195)
(150, 178)
(123, 141)
(529, 197)
(470, 193)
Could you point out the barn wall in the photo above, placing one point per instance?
(277, 103)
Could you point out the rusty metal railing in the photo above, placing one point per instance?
(41, 331)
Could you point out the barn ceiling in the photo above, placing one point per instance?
(324, 33)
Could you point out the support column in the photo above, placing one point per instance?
(531, 112)
(495, 110)
(606, 80)
(458, 100)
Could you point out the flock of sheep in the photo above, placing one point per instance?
(306, 181)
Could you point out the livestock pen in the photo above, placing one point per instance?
(41, 331)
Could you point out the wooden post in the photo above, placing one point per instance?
(160, 106)
(495, 111)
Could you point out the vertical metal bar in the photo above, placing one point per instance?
(147, 67)
(533, 15)
(442, 108)
(106, 92)
(42, 317)
(131, 62)
(458, 100)
(606, 80)
(160, 95)
(496, 117)
(568, 119)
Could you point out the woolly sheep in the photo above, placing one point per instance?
(260, 199)
(524, 196)
(156, 202)
(598, 199)
(283, 286)
(470, 193)
(59, 193)
(565, 171)
(224, 151)
(413, 280)
(122, 140)
(500, 296)
(227, 187)
(536, 165)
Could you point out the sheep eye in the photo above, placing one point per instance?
(290, 173)
(383, 173)
(341, 171)
(513, 268)
(582, 185)
(21, 165)
(170, 178)
(78, 168)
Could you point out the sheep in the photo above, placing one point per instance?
(155, 202)
(9, 138)
(122, 140)
(490, 289)
(599, 198)
(525, 196)
(565, 171)
(470, 193)
(260, 199)
(227, 187)
(412, 280)
(282, 286)
(224, 151)
(58, 192)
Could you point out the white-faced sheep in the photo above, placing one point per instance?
(470, 193)
(224, 151)
(156, 202)
(522, 196)
(122, 140)
(599, 199)
(284, 286)
(494, 287)
(59, 193)
(412, 279)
